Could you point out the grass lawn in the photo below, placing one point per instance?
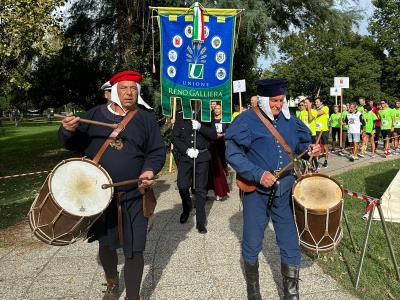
(378, 280)
(30, 147)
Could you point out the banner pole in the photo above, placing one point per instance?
(172, 145)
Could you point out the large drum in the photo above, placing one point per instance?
(318, 209)
(70, 201)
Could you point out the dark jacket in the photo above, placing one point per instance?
(183, 137)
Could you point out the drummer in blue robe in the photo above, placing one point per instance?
(256, 156)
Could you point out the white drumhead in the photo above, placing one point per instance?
(76, 187)
(317, 192)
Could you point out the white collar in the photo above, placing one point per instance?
(263, 103)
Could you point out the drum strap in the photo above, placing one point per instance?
(278, 137)
(118, 197)
(121, 126)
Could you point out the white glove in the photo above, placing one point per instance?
(192, 152)
(218, 127)
(196, 125)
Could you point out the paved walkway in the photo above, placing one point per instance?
(179, 262)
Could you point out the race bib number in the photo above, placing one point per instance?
(218, 127)
(385, 122)
(318, 126)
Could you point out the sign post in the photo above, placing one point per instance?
(341, 83)
(239, 86)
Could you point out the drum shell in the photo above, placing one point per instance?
(51, 224)
(315, 234)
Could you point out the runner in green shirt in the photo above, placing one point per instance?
(310, 122)
(321, 124)
(369, 134)
(385, 114)
(361, 105)
(345, 128)
(307, 115)
(396, 121)
(335, 126)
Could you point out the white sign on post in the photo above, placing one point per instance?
(239, 86)
(342, 82)
(335, 91)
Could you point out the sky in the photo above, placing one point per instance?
(365, 5)
(369, 9)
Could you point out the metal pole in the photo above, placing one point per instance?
(341, 118)
(194, 145)
(348, 229)
(364, 247)
(388, 241)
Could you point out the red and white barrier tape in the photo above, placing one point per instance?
(370, 200)
(24, 174)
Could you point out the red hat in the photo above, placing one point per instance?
(126, 76)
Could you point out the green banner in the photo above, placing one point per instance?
(201, 72)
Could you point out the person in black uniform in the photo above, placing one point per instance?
(138, 151)
(193, 152)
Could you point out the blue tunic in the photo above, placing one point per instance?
(251, 150)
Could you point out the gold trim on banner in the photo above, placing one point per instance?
(207, 11)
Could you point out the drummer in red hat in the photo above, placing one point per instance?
(138, 151)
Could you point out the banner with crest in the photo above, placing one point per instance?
(197, 46)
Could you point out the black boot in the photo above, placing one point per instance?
(252, 281)
(290, 275)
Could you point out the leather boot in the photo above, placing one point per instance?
(252, 281)
(112, 291)
(290, 275)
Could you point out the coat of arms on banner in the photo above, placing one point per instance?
(193, 69)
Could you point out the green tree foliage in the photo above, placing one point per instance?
(108, 36)
(313, 57)
(26, 31)
(384, 26)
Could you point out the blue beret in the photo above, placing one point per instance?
(272, 87)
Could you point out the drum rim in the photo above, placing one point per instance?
(318, 211)
(88, 160)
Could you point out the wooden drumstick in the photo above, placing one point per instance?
(86, 121)
(277, 175)
(127, 182)
(316, 143)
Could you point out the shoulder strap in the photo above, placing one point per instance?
(274, 132)
(279, 138)
(121, 126)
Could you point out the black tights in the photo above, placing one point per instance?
(133, 269)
